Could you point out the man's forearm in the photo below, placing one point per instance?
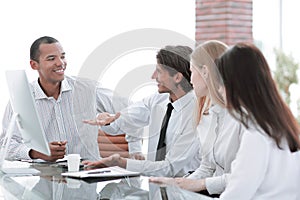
(35, 154)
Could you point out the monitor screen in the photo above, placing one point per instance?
(23, 105)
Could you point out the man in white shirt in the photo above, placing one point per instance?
(172, 74)
(62, 103)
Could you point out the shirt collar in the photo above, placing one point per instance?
(217, 109)
(180, 103)
(38, 92)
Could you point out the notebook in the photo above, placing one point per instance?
(108, 172)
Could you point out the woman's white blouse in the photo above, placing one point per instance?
(220, 136)
(262, 171)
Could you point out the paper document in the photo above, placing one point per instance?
(102, 172)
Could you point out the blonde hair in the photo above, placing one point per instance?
(206, 54)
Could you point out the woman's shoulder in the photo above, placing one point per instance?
(256, 138)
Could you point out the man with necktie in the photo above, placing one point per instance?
(173, 149)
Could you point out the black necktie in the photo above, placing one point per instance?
(161, 147)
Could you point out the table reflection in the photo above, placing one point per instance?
(49, 184)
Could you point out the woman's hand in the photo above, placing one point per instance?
(163, 180)
(194, 185)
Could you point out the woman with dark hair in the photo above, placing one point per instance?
(267, 165)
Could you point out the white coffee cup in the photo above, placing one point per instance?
(73, 162)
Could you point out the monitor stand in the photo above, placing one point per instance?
(4, 149)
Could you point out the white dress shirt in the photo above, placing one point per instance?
(220, 136)
(109, 101)
(182, 145)
(262, 171)
(61, 119)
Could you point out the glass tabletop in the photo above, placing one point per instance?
(49, 184)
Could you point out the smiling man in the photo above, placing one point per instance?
(49, 60)
(58, 105)
(179, 153)
(62, 102)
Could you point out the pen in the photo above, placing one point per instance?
(99, 172)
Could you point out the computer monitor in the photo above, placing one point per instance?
(24, 108)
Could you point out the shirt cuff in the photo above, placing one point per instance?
(134, 165)
(135, 146)
(111, 130)
(25, 154)
(215, 185)
(194, 176)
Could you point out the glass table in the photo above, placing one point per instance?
(49, 184)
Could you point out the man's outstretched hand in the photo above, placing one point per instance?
(103, 119)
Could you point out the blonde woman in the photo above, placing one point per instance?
(219, 133)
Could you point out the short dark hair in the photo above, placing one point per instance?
(252, 93)
(35, 47)
(177, 59)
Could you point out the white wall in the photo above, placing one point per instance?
(81, 26)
